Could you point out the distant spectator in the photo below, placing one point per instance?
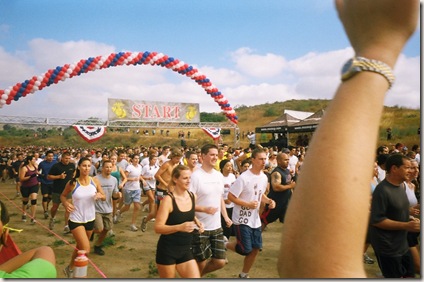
(389, 133)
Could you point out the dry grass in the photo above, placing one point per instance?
(404, 124)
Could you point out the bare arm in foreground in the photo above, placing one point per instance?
(330, 217)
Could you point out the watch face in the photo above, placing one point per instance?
(347, 66)
(348, 70)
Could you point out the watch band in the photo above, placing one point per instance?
(364, 64)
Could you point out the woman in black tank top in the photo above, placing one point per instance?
(176, 222)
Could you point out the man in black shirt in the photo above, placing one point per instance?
(282, 185)
(60, 173)
(390, 220)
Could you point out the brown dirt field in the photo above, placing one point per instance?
(133, 253)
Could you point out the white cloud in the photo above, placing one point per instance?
(250, 95)
(13, 68)
(406, 90)
(47, 54)
(223, 77)
(248, 79)
(261, 66)
(313, 64)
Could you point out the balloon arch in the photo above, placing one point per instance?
(60, 73)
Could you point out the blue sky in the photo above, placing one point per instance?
(253, 51)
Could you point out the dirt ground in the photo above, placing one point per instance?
(132, 254)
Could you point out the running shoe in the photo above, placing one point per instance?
(245, 276)
(98, 250)
(110, 233)
(117, 217)
(152, 220)
(144, 224)
(46, 215)
(66, 230)
(133, 227)
(146, 208)
(51, 223)
(33, 221)
(69, 273)
(24, 217)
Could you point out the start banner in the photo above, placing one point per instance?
(152, 111)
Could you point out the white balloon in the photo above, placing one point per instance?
(4, 97)
(132, 57)
(180, 64)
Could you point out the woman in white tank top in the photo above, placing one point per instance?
(85, 191)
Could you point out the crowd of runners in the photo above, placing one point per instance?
(235, 192)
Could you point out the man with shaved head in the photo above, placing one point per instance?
(281, 188)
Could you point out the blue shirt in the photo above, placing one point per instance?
(44, 169)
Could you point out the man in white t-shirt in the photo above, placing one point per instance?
(96, 157)
(37, 157)
(208, 185)
(293, 160)
(247, 193)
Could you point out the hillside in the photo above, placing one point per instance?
(404, 123)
